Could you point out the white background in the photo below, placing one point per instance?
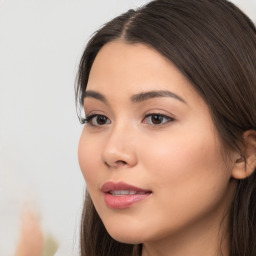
(41, 42)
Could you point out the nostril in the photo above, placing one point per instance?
(120, 162)
(116, 163)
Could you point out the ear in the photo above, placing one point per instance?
(244, 167)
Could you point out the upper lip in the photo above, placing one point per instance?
(112, 186)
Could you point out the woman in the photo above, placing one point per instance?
(168, 150)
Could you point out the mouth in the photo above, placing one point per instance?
(121, 195)
(124, 192)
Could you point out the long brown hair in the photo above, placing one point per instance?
(214, 45)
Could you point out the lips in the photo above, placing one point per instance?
(121, 195)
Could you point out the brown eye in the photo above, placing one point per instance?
(157, 119)
(97, 120)
(101, 120)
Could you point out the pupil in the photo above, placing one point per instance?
(156, 119)
(101, 120)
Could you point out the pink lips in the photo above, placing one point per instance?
(121, 195)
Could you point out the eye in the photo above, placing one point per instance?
(157, 119)
(97, 120)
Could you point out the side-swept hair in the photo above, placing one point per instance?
(214, 45)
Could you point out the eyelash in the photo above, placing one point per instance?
(157, 116)
(90, 118)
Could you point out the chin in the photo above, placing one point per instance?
(125, 236)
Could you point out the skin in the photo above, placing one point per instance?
(31, 237)
(179, 160)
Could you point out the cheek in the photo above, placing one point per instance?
(172, 155)
(188, 178)
(88, 158)
(183, 165)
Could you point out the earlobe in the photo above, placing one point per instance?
(245, 166)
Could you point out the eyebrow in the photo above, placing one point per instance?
(155, 94)
(136, 98)
(95, 95)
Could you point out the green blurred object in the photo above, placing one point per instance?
(50, 246)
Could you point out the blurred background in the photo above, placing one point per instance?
(41, 43)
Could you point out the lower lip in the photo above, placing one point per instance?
(125, 201)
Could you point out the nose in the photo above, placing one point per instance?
(119, 148)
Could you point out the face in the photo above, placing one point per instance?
(149, 151)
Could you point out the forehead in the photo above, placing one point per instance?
(133, 68)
